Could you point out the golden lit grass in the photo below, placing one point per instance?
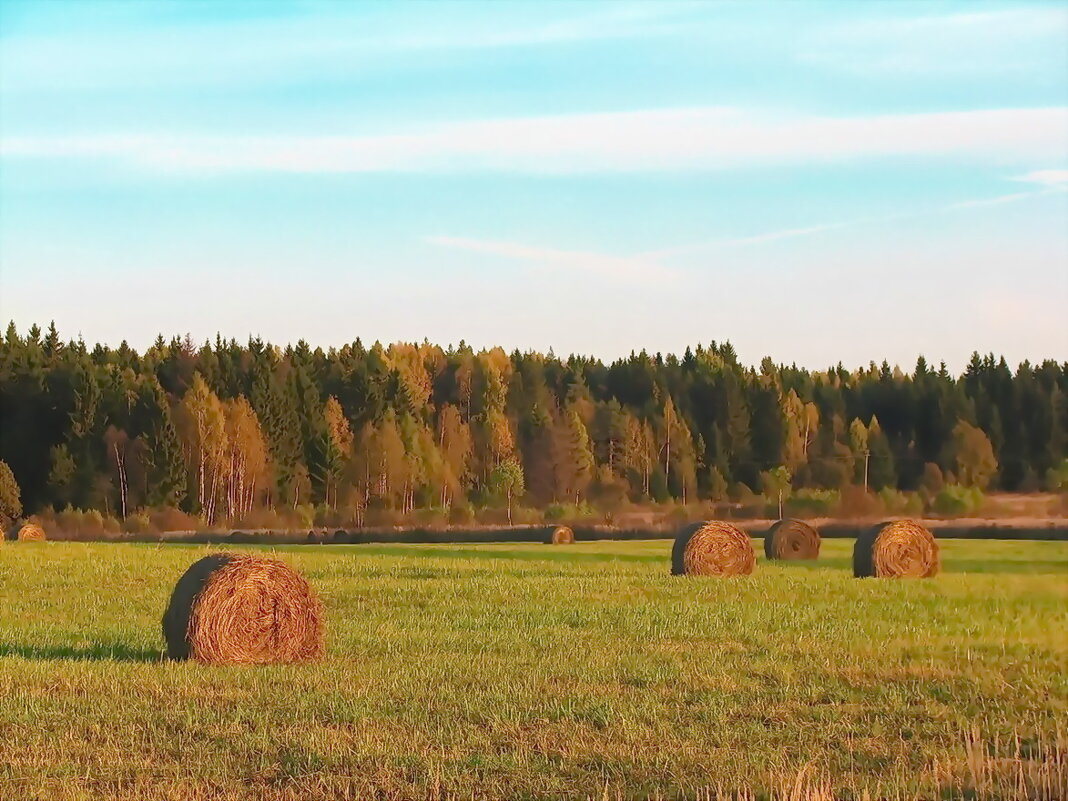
(511, 670)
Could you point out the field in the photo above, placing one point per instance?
(533, 671)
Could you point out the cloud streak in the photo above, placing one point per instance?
(648, 263)
(791, 233)
(756, 239)
(973, 42)
(147, 52)
(707, 138)
(1045, 177)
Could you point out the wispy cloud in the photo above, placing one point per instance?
(791, 233)
(223, 52)
(998, 200)
(706, 138)
(647, 266)
(1002, 24)
(994, 41)
(1045, 177)
(638, 269)
(756, 239)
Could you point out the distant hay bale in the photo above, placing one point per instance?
(792, 539)
(241, 609)
(898, 549)
(562, 535)
(28, 532)
(712, 549)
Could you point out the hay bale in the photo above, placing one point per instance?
(898, 549)
(792, 539)
(241, 609)
(27, 532)
(714, 548)
(562, 535)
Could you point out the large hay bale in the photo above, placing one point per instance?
(898, 549)
(714, 548)
(240, 609)
(28, 532)
(792, 539)
(562, 535)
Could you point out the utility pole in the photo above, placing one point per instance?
(867, 453)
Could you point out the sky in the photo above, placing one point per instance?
(815, 182)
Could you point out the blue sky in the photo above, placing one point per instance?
(814, 182)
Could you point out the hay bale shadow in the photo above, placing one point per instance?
(180, 607)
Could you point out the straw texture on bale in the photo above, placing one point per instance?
(792, 539)
(28, 532)
(562, 535)
(241, 609)
(714, 548)
(898, 549)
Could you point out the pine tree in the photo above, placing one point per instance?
(276, 408)
(10, 498)
(573, 456)
(767, 426)
(166, 474)
(881, 472)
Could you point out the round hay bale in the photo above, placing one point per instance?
(714, 548)
(241, 609)
(792, 539)
(898, 549)
(562, 535)
(29, 532)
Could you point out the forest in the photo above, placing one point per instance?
(226, 432)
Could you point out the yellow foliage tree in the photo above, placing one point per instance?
(974, 456)
(202, 427)
(246, 465)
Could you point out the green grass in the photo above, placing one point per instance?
(535, 671)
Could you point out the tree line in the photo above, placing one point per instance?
(222, 429)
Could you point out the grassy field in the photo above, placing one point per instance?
(535, 671)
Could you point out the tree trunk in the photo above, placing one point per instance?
(203, 458)
(120, 463)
